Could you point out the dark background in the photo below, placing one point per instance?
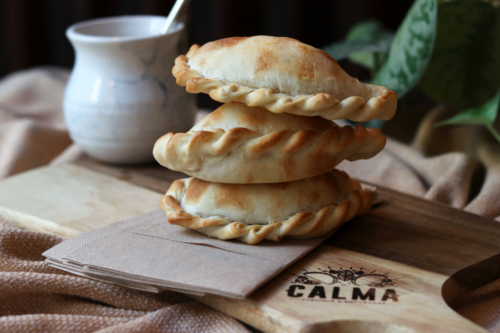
(32, 32)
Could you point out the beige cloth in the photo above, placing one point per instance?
(32, 131)
(453, 155)
(35, 297)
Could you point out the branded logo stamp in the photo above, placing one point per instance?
(344, 285)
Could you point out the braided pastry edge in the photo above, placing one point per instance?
(331, 146)
(324, 105)
(308, 224)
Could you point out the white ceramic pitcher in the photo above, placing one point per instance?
(121, 96)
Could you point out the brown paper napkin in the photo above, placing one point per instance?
(147, 253)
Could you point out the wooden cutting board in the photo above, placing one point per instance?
(393, 270)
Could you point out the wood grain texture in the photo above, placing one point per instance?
(393, 270)
(151, 176)
(429, 252)
(66, 200)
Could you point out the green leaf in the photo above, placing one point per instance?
(375, 123)
(363, 44)
(482, 115)
(411, 49)
(464, 70)
(373, 32)
(367, 31)
(344, 49)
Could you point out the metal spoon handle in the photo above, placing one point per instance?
(178, 8)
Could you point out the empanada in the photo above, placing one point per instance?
(243, 145)
(282, 75)
(305, 208)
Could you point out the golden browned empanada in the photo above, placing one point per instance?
(243, 145)
(304, 208)
(282, 75)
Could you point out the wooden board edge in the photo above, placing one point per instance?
(30, 222)
(261, 317)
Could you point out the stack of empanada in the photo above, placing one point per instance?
(264, 162)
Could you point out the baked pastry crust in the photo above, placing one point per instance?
(243, 145)
(282, 75)
(252, 213)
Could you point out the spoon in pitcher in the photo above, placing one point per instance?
(178, 8)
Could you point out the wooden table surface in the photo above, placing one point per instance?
(393, 270)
